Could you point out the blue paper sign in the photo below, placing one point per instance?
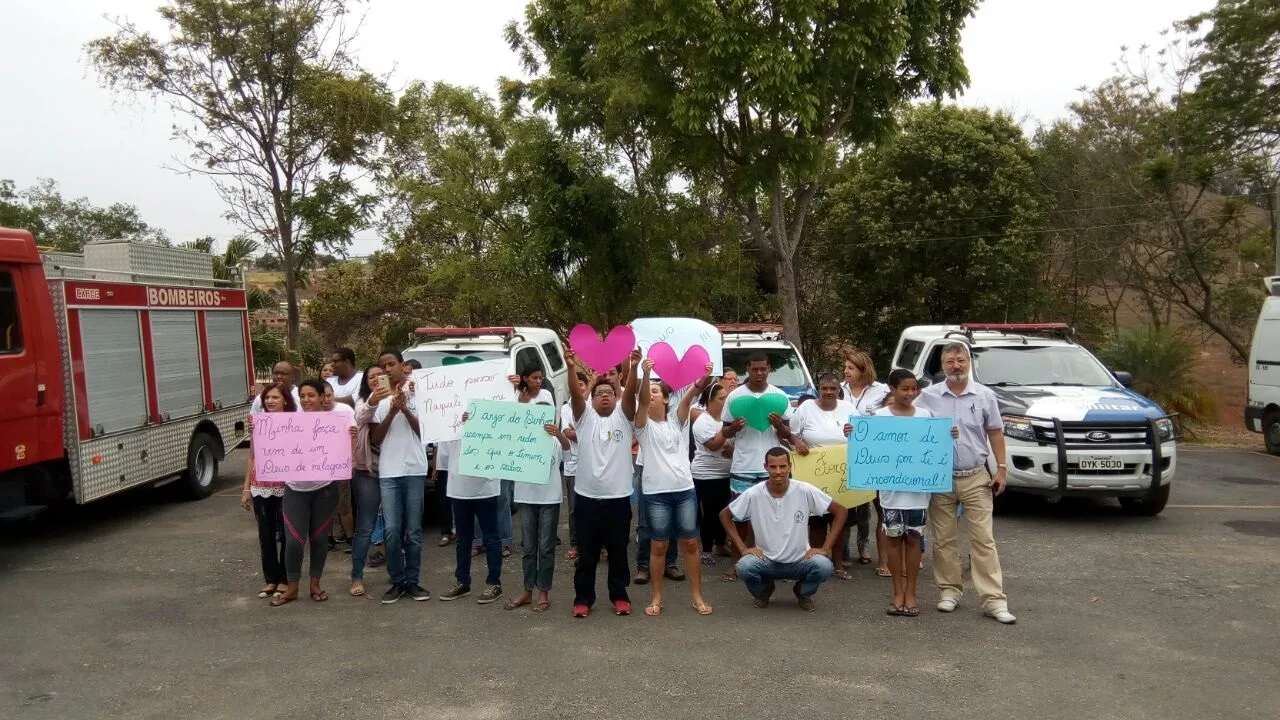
(900, 453)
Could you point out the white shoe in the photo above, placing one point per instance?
(1002, 616)
(948, 604)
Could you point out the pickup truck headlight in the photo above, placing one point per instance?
(1164, 426)
(1019, 428)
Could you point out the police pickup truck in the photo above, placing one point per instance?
(1072, 426)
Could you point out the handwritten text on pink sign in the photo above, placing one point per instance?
(301, 447)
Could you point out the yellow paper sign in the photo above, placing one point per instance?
(827, 468)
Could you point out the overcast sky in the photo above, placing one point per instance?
(1025, 56)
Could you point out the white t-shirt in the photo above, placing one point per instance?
(544, 396)
(549, 494)
(257, 403)
(708, 464)
(346, 389)
(310, 486)
(750, 445)
(570, 455)
(664, 449)
(869, 401)
(781, 524)
(902, 499)
(819, 427)
(402, 452)
(465, 487)
(604, 455)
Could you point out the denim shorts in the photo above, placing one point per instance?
(739, 484)
(904, 522)
(672, 513)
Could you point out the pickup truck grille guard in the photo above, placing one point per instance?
(1151, 442)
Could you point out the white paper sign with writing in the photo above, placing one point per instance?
(442, 394)
(681, 334)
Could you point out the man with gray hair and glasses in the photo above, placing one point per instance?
(979, 434)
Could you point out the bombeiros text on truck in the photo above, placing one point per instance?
(127, 365)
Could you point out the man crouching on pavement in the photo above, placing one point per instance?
(779, 511)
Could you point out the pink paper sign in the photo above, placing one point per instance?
(301, 447)
(598, 355)
(679, 372)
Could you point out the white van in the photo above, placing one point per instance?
(524, 347)
(1262, 413)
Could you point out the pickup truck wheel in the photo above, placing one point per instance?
(1271, 431)
(1147, 505)
(202, 467)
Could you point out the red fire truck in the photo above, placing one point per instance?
(127, 365)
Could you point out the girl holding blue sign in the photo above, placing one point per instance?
(904, 514)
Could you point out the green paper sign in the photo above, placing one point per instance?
(506, 440)
(756, 410)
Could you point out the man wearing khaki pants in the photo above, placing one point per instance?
(973, 409)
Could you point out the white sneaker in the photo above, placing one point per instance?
(948, 604)
(1002, 616)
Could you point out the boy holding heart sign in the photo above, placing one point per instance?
(756, 417)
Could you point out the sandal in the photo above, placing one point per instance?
(895, 610)
(864, 560)
(518, 601)
(910, 611)
(708, 559)
(320, 596)
(653, 610)
(541, 607)
(729, 576)
(883, 572)
(843, 574)
(357, 589)
(269, 591)
(279, 600)
(702, 608)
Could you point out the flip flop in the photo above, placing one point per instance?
(541, 607)
(864, 560)
(703, 608)
(729, 576)
(279, 600)
(517, 602)
(357, 591)
(653, 610)
(883, 572)
(264, 593)
(319, 596)
(842, 574)
(910, 611)
(895, 611)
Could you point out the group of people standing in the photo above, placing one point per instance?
(704, 483)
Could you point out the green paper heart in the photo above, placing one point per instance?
(453, 360)
(756, 410)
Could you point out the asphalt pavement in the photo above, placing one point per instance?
(145, 607)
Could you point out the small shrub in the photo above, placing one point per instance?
(1163, 365)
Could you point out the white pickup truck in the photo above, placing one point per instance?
(526, 348)
(1072, 426)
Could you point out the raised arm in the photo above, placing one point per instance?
(629, 395)
(645, 397)
(682, 412)
(577, 396)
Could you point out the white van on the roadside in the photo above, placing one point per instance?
(525, 348)
(1262, 412)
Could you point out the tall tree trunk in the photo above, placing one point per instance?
(788, 298)
(289, 259)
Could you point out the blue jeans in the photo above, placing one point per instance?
(506, 526)
(809, 574)
(672, 514)
(538, 526)
(367, 494)
(482, 512)
(402, 499)
(644, 537)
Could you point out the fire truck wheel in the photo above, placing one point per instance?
(202, 467)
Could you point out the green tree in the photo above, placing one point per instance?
(754, 96)
(236, 254)
(67, 225)
(274, 109)
(939, 224)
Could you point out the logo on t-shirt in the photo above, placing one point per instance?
(799, 517)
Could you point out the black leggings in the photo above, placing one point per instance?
(308, 515)
(270, 538)
(713, 496)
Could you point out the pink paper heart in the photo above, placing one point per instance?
(679, 372)
(602, 356)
